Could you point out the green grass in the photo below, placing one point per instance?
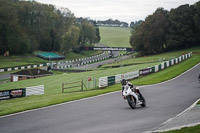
(53, 84)
(29, 59)
(154, 58)
(195, 129)
(115, 36)
(72, 55)
(19, 60)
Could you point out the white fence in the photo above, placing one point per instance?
(109, 80)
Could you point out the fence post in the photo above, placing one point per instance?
(62, 87)
(81, 85)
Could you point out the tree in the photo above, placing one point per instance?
(165, 30)
(12, 38)
(196, 22)
(149, 37)
(181, 30)
(26, 26)
(70, 39)
(87, 34)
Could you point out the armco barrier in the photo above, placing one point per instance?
(106, 81)
(22, 67)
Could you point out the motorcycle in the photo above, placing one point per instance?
(133, 98)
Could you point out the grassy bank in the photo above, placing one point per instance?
(195, 129)
(154, 58)
(19, 60)
(53, 93)
(29, 59)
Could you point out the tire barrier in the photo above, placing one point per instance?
(124, 65)
(110, 80)
(23, 67)
(81, 62)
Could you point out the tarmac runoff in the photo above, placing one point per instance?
(188, 118)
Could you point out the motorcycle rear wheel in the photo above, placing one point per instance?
(143, 101)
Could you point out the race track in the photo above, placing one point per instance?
(110, 113)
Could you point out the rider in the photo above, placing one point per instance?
(135, 89)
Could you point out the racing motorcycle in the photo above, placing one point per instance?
(133, 97)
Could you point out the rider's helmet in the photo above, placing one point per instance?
(123, 82)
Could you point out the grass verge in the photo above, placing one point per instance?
(29, 59)
(195, 129)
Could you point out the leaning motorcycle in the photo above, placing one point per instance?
(133, 98)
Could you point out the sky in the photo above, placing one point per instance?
(123, 10)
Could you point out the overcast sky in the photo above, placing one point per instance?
(123, 10)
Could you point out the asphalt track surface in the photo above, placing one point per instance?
(110, 113)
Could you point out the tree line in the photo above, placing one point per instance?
(27, 26)
(111, 22)
(165, 30)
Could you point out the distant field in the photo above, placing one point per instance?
(53, 84)
(115, 36)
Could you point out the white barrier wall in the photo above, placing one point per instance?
(118, 78)
(167, 63)
(176, 60)
(180, 59)
(172, 62)
(156, 68)
(131, 75)
(103, 82)
(183, 56)
(162, 65)
(35, 90)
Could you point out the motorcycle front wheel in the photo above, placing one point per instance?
(131, 101)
